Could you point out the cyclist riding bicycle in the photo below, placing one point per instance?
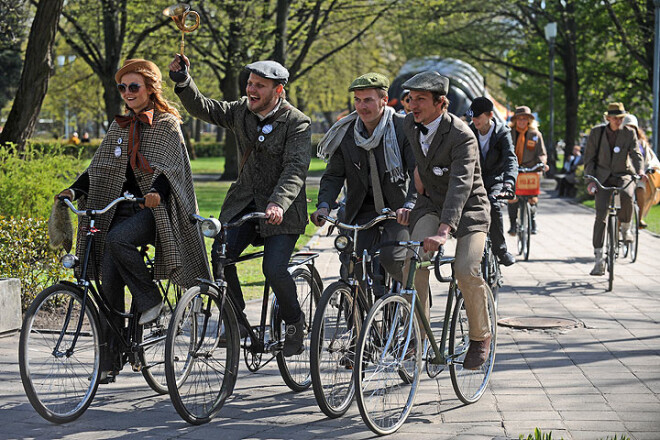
(369, 151)
(499, 168)
(611, 151)
(452, 200)
(530, 150)
(274, 139)
(142, 153)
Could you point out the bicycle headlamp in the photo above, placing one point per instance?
(69, 261)
(211, 227)
(342, 242)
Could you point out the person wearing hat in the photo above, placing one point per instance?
(274, 140)
(405, 102)
(648, 190)
(452, 200)
(143, 153)
(369, 152)
(499, 168)
(530, 150)
(611, 153)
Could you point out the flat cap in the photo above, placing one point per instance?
(270, 70)
(370, 80)
(429, 81)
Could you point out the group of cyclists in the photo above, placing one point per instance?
(441, 176)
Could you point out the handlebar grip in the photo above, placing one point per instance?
(139, 200)
(436, 263)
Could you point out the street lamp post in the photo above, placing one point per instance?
(656, 80)
(550, 35)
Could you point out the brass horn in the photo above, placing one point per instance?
(179, 13)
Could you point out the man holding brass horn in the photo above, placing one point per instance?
(274, 140)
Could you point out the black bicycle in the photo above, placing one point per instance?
(204, 343)
(613, 239)
(528, 185)
(338, 320)
(490, 265)
(60, 342)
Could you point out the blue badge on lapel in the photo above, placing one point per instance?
(535, 138)
(261, 138)
(120, 140)
(117, 151)
(617, 149)
(267, 129)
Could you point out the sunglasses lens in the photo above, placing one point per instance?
(133, 87)
(121, 88)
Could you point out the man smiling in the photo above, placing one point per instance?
(274, 140)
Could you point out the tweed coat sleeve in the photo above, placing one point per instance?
(209, 110)
(295, 163)
(464, 156)
(591, 150)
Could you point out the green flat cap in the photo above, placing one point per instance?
(428, 81)
(370, 81)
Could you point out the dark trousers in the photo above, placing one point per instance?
(123, 265)
(496, 225)
(277, 253)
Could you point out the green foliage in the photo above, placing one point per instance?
(538, 435)
(25, 254)
(209, 149)
(30, 179)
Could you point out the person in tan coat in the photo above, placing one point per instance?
(452, 200)
(610, 155)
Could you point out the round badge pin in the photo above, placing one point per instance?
(119, 141)
(261, 138)
(117, 151)
(267, 129)
(617, 149)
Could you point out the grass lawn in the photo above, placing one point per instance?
(652, 219)
(216, 165)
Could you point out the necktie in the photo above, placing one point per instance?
(375, 183)
(422, 128)
(136, 158)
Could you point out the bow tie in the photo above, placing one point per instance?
(422, 128)
(136, 158)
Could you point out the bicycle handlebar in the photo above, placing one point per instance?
(127, 197)
(390, 215)
(539, 166)
(219, 226)
(635, 178)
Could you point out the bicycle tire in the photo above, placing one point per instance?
(522, 224)
(528, 230)
(60, 386)
(634, 229)
(384, 399)
(335, 331)
(469, 385)
(295, 370)
(612, 242)
(202, 354)
(153, 341)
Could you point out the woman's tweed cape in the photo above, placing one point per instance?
(180, 252)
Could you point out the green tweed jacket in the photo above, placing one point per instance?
(277, 167)
(451, 176)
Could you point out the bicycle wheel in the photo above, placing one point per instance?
(390, 341)
(295, 370)
(337, 324)
(153, 341)
(528, 230)
(521, 232)
(634, 230)
(59, 378)
(469, 385)
(612, 242)
(201, 354)
(493, 275)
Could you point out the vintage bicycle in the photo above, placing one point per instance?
(390, 344)
(204, 343)
(61, 338)
(614, 242)
(528, 185)
(338, 319)
(490, 265)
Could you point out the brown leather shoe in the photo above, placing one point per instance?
(477, 354)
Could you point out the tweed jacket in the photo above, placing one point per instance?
(500, 165)
(277, 167)
(451, 177)
(180, 252)
(350, 164)
(534, 147)
(603, 160)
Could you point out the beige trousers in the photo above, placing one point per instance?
(469, 250)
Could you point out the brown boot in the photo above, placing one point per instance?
(477, 354)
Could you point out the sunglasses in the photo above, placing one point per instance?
(132, 87)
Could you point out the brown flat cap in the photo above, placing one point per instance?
(137, 65)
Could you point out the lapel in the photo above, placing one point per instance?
(435, 148)
(358, 158)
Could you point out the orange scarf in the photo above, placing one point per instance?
(131, 121)
(520, 144)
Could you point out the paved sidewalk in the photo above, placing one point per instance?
(599, 378)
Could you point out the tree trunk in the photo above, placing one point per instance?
(281, 31)
(37, 69)
(229, 87)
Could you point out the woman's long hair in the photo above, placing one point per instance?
(533, 124)
(155, 85)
